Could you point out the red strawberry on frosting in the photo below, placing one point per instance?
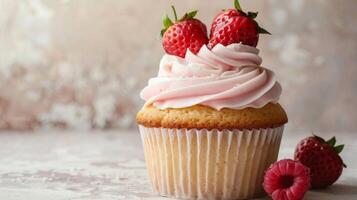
(222, 18)
(182, 34)
(322, 158)
(235, 26)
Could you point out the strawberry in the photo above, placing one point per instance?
(185, 33)
(322, 158)
(222, 19)
(286, 180)
(235, 26)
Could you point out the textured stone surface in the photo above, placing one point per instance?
(81, 64)
(110, 165)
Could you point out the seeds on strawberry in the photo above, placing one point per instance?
(235, 26)
(286, 180)
(322, 158)
(237, 30)
(222, 19)
(185, 33)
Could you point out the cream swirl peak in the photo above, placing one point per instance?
(224, 77)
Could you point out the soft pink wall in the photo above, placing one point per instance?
(81, 64)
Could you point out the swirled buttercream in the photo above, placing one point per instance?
(224, 77)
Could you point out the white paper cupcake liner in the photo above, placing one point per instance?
(209, 164)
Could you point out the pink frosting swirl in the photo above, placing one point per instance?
(224, 77)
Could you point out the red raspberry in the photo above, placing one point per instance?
(186, 33)
(287, 180)
(322, 158)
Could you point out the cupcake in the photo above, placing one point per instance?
(211, 124)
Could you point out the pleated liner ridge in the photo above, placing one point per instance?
(209, 164)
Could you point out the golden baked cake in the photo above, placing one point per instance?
(204, 117)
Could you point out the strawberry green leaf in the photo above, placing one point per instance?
(262, 31)
(237, 5)
(192, 14)
(331, 141)
(189, 15)
(163, 32)
(339, 148)
(252, 15)
(167, 21)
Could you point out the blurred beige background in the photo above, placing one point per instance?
(80, 64)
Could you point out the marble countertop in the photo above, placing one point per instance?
(109, 165)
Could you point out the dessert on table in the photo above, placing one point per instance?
(212, 122)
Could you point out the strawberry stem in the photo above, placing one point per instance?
(252, 15)
(175, 13)
(237, 5)
(167, 22)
